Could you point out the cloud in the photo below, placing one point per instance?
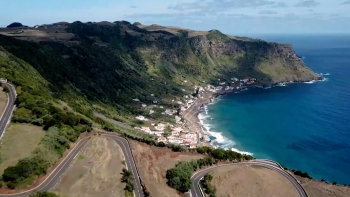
(280, 5)
(133, 6)
(219, 5)
(263, 12)
(345, 2)
(306, 3)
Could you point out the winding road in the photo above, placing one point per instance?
(56, 174)
(7, 113)
(196, 191)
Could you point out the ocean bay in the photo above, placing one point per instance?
(302, 126)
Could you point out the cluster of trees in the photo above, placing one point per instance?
(207, 187)
(38, 111)
(43, 194)
(179, 177)
(127, 179)
(302, 174)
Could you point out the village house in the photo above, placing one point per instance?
(177, 119)
(142, 118)
(175, 133)
(168, 112)
(136, 99)
(161, 139)
(160, 127)
(146, 129)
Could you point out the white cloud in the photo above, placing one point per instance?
(307, 3)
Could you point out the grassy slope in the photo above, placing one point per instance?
(18, 143)
(3, 101)
(103, 67)
(36, 105)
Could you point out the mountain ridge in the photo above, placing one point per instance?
(120, 60)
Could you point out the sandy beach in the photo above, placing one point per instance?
(190, 115)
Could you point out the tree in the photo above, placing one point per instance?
(127, 176)
(6, 89)
(127, 179)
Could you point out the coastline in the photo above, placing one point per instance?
(194, 123)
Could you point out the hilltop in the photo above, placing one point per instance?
(103, 66)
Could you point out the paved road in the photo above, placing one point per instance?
(6, 115)
(196, 192)
(55, 176)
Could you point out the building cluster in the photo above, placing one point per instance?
(167, 132)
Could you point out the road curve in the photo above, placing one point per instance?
(55, 175)
(196, 191)
(6, 115)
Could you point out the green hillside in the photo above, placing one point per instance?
(103, 66)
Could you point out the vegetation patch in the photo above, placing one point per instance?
(207, 187)
(127, 179)
(3, 101)
(179, 177)
(18, 143)
(43, 194)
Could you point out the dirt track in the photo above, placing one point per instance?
(153, 162)
(95, 171)
(249, 181)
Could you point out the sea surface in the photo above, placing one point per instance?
(304, 126)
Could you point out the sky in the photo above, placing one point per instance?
(229, 16)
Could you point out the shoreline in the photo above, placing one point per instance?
(206, 98)
(193, 123)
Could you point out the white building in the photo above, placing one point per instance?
(141, 118)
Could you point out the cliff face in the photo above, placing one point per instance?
(111, 63)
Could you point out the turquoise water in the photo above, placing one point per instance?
(302, 126)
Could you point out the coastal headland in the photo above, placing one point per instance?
(148, 79)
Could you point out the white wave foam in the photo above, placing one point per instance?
(242, 152)
(220, 140)
(325, 74)
(309, 82)
(281, 84)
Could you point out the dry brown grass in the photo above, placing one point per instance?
(39, 35)
(19, 142)
(152, 164)
(321, 189)
(3, 101)
(95, 171)
(251, 181)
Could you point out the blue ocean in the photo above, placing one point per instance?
(304, 126)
